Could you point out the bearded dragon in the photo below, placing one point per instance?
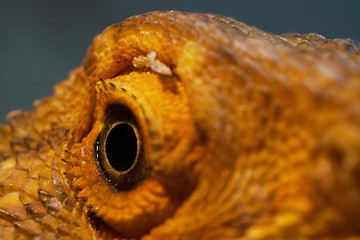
(190, 126)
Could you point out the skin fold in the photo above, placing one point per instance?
(239, 134)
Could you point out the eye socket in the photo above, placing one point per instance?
(120, 152)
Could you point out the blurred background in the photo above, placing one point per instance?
(41, 41)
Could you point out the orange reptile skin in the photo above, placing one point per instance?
(239, 134)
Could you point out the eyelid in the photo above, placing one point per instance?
(166, 127)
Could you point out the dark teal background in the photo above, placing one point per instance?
(41, 41)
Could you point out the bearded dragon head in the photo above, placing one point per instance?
(190, 126)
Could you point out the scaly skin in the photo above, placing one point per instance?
(245, 135)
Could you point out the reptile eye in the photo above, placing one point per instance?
(134, 168)
(119, 150)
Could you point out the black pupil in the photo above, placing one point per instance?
(121, 147)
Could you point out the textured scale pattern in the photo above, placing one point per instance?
(249, 135)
